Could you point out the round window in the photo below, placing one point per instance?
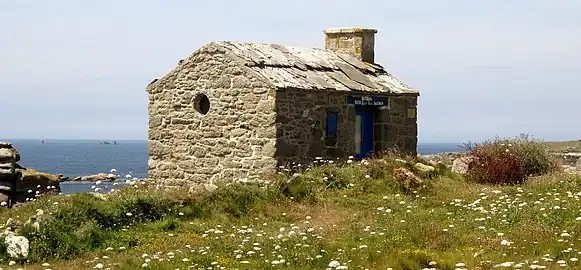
(202, 104)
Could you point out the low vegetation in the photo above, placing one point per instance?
(509, 161)
(347, 215)
(564, 146)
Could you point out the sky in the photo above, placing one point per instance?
(78, 69)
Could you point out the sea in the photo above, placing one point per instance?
(73, 158)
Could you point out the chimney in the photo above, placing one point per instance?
(359, 42)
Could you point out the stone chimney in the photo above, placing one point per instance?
(359, 42)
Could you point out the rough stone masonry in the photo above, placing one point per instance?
(237, 136)
(236, 110)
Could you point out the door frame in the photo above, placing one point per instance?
(367, 114)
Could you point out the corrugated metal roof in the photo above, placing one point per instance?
(316, 69)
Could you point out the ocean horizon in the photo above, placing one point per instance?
(73, 158)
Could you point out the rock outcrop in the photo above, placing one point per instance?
(17, 184)
(460, 165)
(424, 168)
(445, 158)
(104, 177)
(568, 158)
(16, 246)
(407, 178)
(8, 158)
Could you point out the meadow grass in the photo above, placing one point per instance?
(354, 215)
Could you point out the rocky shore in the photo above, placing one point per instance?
(103, 177)
(19, 184)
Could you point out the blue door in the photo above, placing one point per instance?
(363, 131)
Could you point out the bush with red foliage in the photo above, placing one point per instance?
(508, 161)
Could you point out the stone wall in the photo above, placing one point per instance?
(235, 139)
(395, 128)
(301, 124)
(359, 42)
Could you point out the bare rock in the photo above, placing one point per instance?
(7, 155)
(210, 187)
(16, 246)
(30, 179)
(13, 224)
(4, 199)
(7, 168)
(97, 177)
(578, 165)
(400, 161)
(35, 220)
(407, 178)
(5, 145)
(98, 195)
(570, 169)
(460, 165)
(7, 182)
(423, 167)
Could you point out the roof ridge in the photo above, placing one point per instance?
(313, 68)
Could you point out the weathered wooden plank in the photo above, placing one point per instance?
(305, 56)
(267, 73)
(297, 61)
(320, 58)
(256, 55)
(352, 61)
(395, 84)
(336, 85)
(372, 69)
(273, 57)
(300, 75)
(290, 59)
(356, 75)
(288, 66)
(242, 51)
(343, 79)
(382, 85)
(377, 67)
(289, 80)
(297, 72)
(320, 81)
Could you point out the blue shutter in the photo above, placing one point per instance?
(332, 124)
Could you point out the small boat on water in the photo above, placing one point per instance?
(42, 141)
(107, 142)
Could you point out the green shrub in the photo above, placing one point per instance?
(86, 223)
(509, 161)
(299, 188)
(57, 239)
(3, 253)
(237, 199)
(534, 156)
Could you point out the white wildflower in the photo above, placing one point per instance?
(334, 264)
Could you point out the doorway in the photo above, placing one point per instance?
(363, 131)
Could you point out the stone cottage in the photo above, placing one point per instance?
(235, 110)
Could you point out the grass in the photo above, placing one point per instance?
(565, 146)
(358, 214)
